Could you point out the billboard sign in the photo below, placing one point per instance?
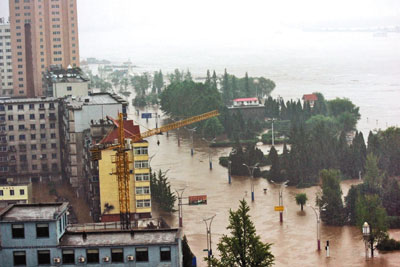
(198, 200)
(146, 115)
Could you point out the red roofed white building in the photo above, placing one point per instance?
(310, 98)
(251, 101)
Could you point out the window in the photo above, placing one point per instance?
(10, 107)
(142, 190)
(43, 146)
(92, 255)
(34, 157)
(43, 136)
(11, 192)
(68, 256)
(21, 137)
(165, 253)
(17, 231)
(142, 177)
(21, 127)
(51, 106)
(142, 254)
(52, 125)
(20, 107)
(141, 151)
(44, 156)
(31, 116)
(31, 106)
(22, 157)
(19, 258)
(69, 88)
(41, 106)
(33, 136)
(53, 136)
(117, 255)
(1, 193)
(11, 138)
(143, 203)
(140, 164)
(41, 116)
(33, 126)
(53, 145)
(42, 230)
(42, 126)
(34, 167)
(21, 117)
(10, 117)
(22, 192)
(43, 256)
(54, 156)
(33, 147)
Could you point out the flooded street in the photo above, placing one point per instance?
(294, 241)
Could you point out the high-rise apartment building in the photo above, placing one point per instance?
(6, 77)
(43, 33)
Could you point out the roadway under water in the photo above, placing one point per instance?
(294, 242)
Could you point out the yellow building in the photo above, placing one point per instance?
(19, 193)
(139, 182)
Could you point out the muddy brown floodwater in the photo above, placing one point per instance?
(294, 242)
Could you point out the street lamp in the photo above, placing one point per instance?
(251, 173)
(179, 192)
(317, 214)
(191, 137)
(229, 171)
(282, 185)
(209, 150)
(208, 229)
(366, 230)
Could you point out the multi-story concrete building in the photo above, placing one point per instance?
(59, 82)
(39, 234)
(43, 33)
(15, 193)
(6, 77)
(29, 139)
(78, 114)
(139, 182)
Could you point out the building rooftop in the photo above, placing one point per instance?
(129, 129)
(33, 212)
(74, 102)
(246, 99)
(120, 238)
(56, 74)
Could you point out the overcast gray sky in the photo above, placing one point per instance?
(107, 24)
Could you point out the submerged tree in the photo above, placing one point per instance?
(243, 246)
(301, 199)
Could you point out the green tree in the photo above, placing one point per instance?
(369, 209)
(187, 253)
(330, 203)
(301, 199)
(212, 127)
(243, 246)
(373, 176)
(161, 191)
(275, 171)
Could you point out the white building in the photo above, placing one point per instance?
(251, 101)
(59, 82)
(6, 77)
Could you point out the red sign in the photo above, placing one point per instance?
(198, 200)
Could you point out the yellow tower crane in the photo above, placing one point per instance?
(122, 161)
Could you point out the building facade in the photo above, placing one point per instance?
(78, 114)
(15, 193)
(29, 139)
(43, 33)
(6, 76)
(59, 82)
(39, 234)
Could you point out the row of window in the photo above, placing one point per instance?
(35, 157)
(142, 190)
(12, 192)
(141, 164)
(141, 151)
(22, 127)
(31, 106)
(18, 230)
(92, 256)
(142, 177)
(143, 203)
(22, 137)
(42, 116)
(22, 148)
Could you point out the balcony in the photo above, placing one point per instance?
(52, 118)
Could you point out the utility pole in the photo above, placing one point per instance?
(208, 229)
(281, 186)
(191, 137)
(179, 193)
(251, 173)
(209, 150)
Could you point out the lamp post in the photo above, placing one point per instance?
(251, 173)
(179, 192)
(209, 150)
(317, 214)
(191, 137)
(208, 229)
(366, 230)
(281, 186)
(229, 172)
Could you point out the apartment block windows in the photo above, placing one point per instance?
(19, 258)
(142, 177)
(92, 255)
(17, 231)
(141, 164)
(12, 192)
(117, 255)
(165, 254)
(141, 190)
(21, 117)
(142, 254)
(69, 88)
(43, 256)
(20, 107)
(143, 203)
(141, 151)
(68, 256)
(22, 192)
(31, 106)
(31, 116)
(42, 230)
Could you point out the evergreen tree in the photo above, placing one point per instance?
(226, 90)
(247, 85)
(275, 171)
(186, 253)
(243, 246)
(330, 203)
(214, 80)
(373, 177)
